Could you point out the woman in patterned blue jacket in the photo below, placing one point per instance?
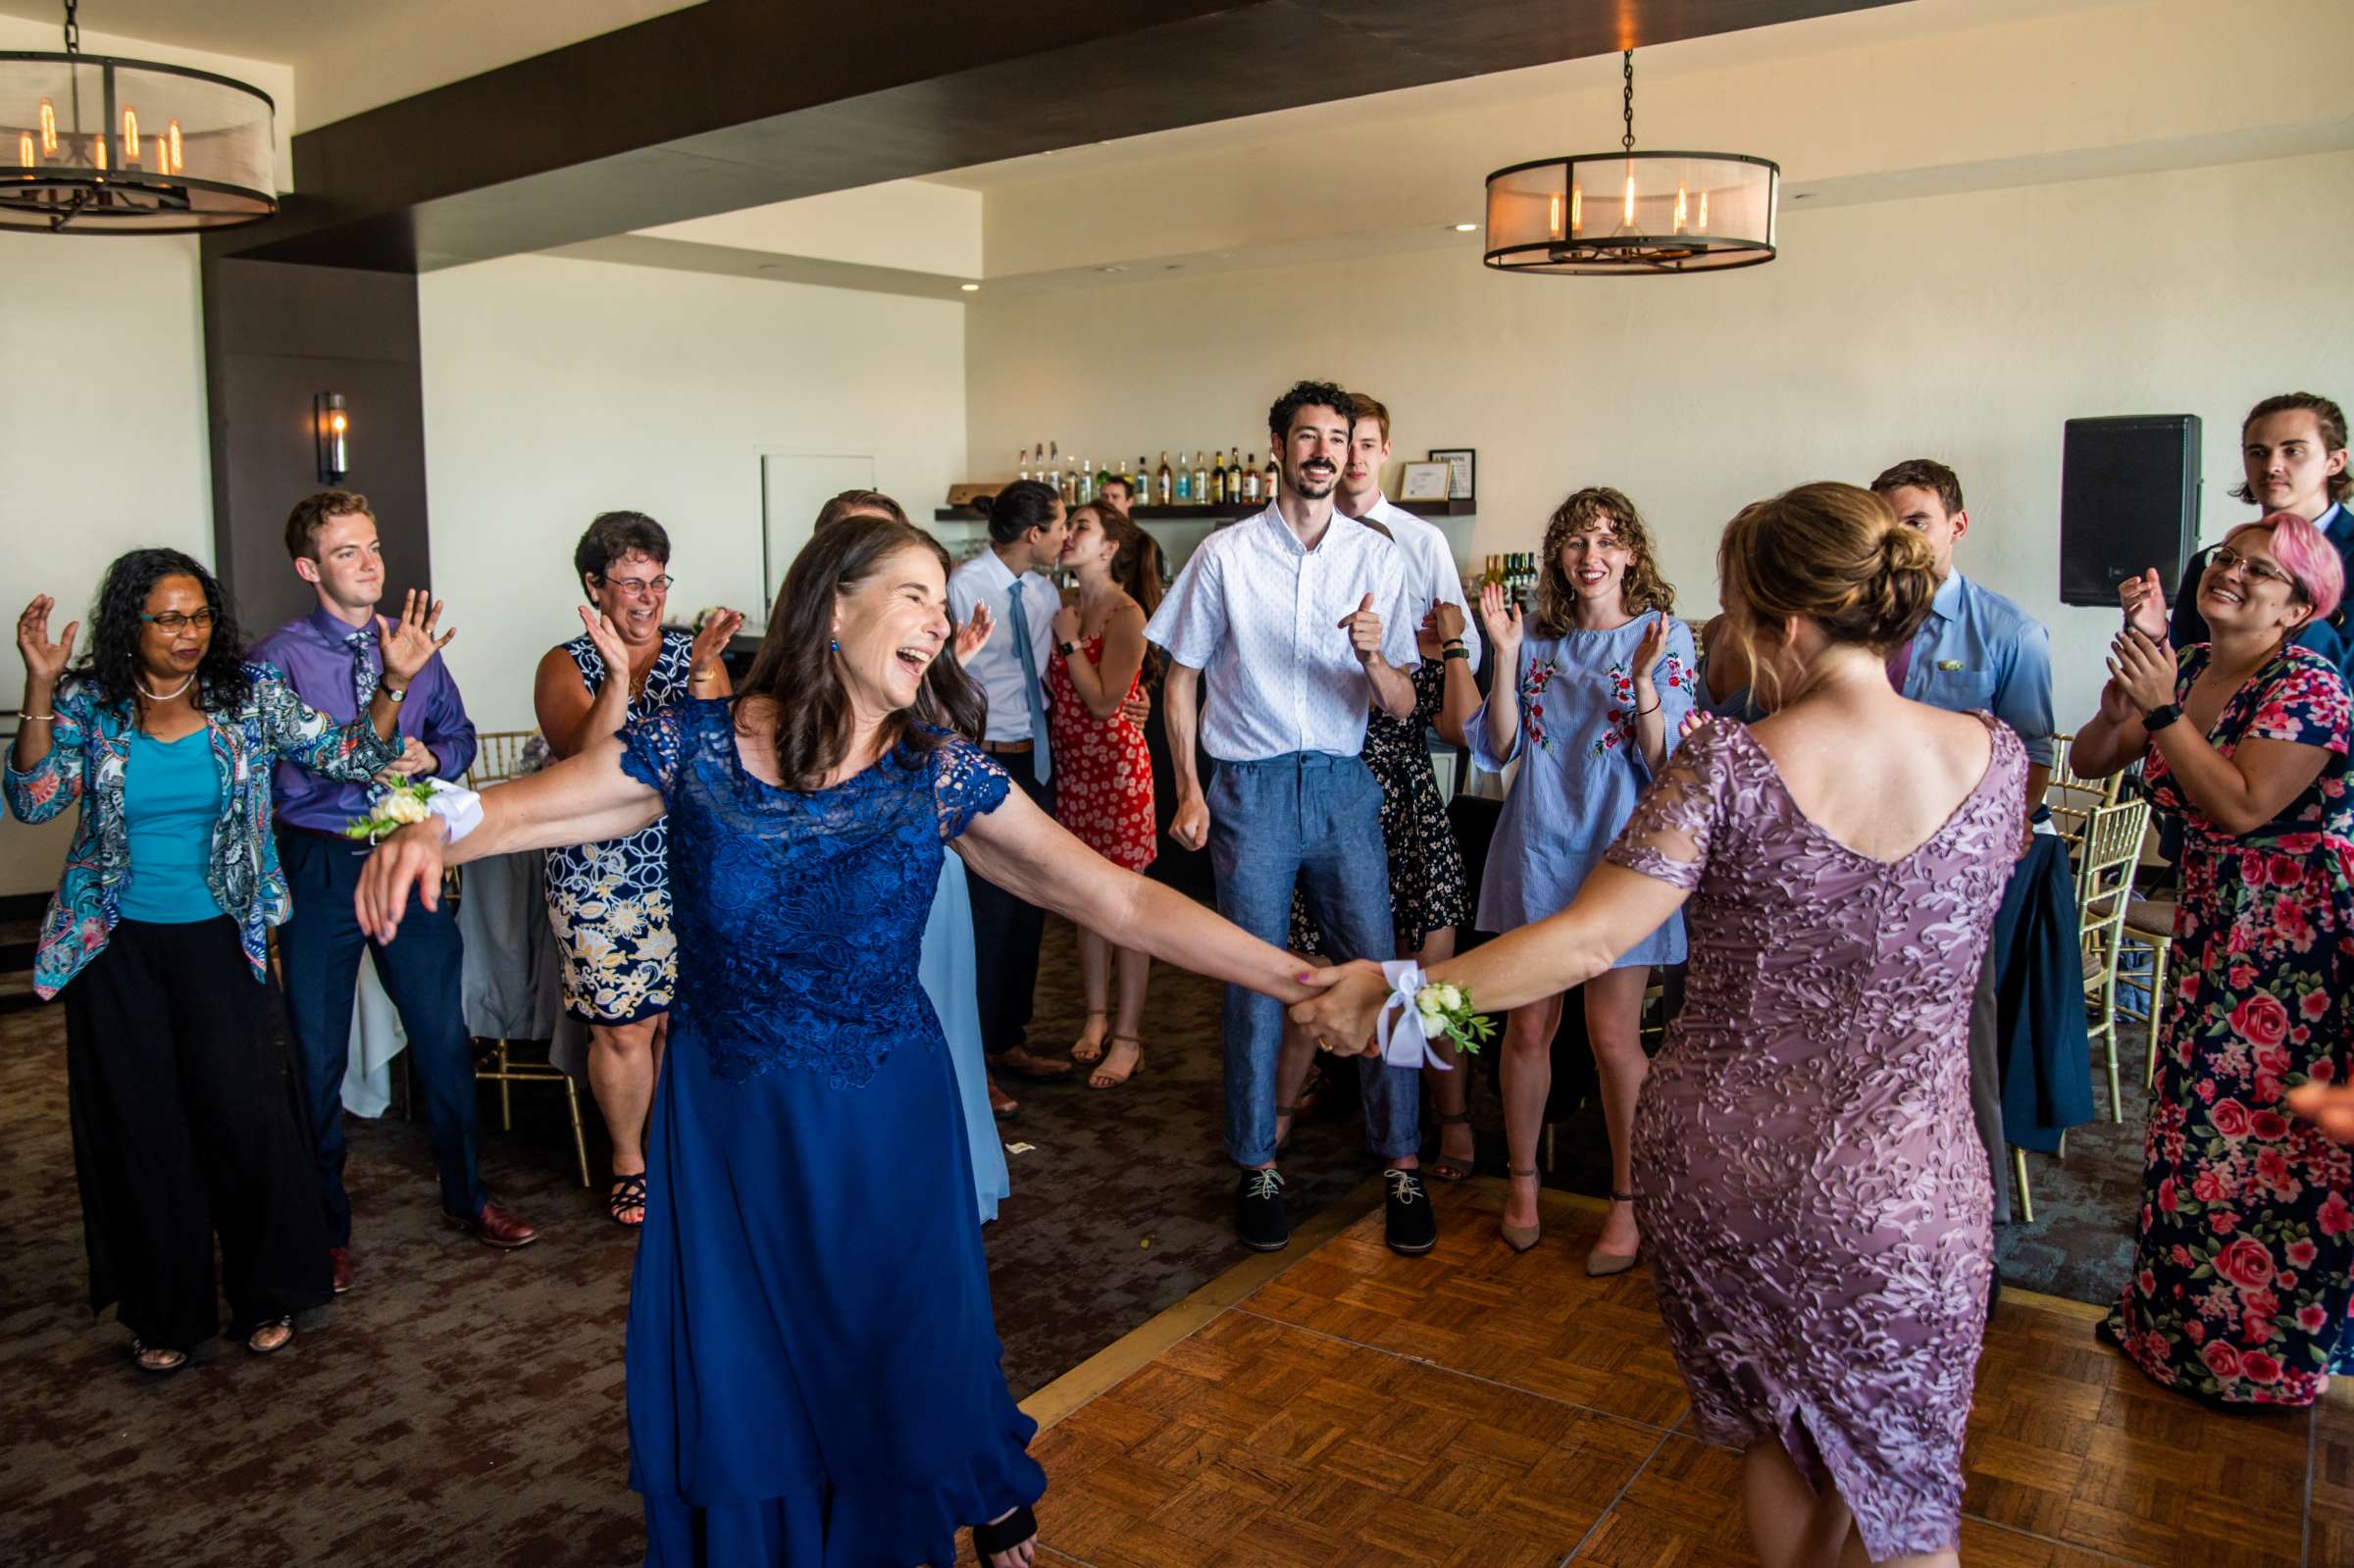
(183, 1121)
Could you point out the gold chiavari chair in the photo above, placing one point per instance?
(498, 754)
(2147, 946)
(2072, 799)
(2111, 852)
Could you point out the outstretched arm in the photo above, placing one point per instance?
(1616, 909)
(1025, 853)
(580, 800)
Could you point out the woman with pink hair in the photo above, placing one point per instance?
(2242, 1282)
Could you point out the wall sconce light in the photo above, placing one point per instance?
(332, 427)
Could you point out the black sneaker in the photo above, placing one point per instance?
(1412, 1228)
(1260, 1222)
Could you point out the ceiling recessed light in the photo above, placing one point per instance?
(1112, 268)
(970, 289)
(1465, 229)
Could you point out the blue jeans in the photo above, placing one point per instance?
(422, 970)
(1313, 820)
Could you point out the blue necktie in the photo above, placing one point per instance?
(363, 669)
(1042, 765)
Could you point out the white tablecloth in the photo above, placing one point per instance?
(512, 988)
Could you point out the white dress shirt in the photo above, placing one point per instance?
(1261, 618)
(1431, 577)
(997, 669)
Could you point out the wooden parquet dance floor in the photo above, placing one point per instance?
(1336, 1406)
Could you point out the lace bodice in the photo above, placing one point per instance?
(800, 916)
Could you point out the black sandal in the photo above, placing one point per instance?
(1446, 1167)
(138, 1358)
(253, 1336)
(628, 1193)
(1006, 1534)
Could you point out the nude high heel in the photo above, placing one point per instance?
(1600, 1265)
(1520, 1238)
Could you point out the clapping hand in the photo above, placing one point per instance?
(712, 640)
(973, 634)
(1653, 648)
(406, 644)
(1342, 1016)
(1363, 626)
(607, 642)
(1501, 617)
(44, 660)
(2328, 1107)
(2142, 669)
(2144, 602)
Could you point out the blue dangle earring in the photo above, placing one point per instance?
(835, 646)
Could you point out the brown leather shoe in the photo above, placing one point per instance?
(340, 1258)
(497, 1226)
(1019, 1063)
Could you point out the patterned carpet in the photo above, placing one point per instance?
(466, 1406)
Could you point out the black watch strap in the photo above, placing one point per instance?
(2160, 717)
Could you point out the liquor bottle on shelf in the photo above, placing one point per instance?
(1201, 481)
(1141, 496)
(1234, 477)
(1021, 462)
(1250, 485)
(1083, 483)
(1217, 479)
(1185, 482)
(1161, 482)
(1103, 476)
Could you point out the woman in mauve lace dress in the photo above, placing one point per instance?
(1805, 1164)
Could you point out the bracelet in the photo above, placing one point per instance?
(38, 718)
(1641, 712)
(1452, 642)
(1455, 652)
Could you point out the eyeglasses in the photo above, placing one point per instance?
(637, 587)
(174, 621)
(2224, 558)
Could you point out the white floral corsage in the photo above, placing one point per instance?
(1418, 1015)
(391, 811)
(1447, 1013)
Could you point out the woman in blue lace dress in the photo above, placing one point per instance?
(813, 1373)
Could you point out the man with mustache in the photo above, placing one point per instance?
(1301, 627)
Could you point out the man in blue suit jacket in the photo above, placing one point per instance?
(2294, 448)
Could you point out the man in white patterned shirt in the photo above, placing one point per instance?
(1300, 626)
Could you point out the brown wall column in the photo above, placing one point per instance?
(276, 334)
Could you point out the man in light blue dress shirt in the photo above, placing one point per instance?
(1976, 652)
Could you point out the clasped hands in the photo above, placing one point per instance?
(2141, 662)
(1341, 1014)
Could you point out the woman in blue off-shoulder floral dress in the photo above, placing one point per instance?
(813, 1373)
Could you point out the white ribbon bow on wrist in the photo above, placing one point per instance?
(1404, 1041)
(460, 809)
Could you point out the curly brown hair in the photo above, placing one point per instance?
(1641, 588)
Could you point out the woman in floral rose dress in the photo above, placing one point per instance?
(2240, 1288)
(1102, 770)
(1589, 705)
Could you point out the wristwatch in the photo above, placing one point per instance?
(395, 695)
(1067, 649)
(2160, 717)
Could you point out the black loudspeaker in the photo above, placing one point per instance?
(2128, 501)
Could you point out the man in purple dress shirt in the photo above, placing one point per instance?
(329, 658)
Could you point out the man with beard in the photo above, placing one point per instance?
(1300, 628)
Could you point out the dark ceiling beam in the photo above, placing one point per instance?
(738, 103)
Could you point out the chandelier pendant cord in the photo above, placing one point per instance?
(1627, 65)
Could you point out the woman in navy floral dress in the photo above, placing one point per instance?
(812, 1370)
(2240, 1286)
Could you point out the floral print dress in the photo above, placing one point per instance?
(609, 902)
(1581, 771)
(2240, 1286)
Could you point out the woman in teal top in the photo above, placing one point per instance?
(183, 1114)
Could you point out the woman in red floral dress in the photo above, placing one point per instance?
(2240, 1289)
(1102, 772)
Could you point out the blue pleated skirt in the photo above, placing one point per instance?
(813, 1371)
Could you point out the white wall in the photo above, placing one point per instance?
(1964, 328)
(557, 389)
